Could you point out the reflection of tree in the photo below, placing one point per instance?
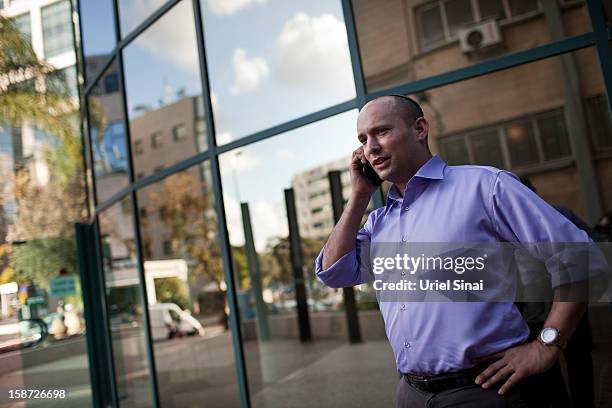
(46, 210)
(185, 209)
(171, 290)
(276, 261)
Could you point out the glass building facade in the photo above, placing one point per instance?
(214, 131)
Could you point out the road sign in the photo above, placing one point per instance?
(63, 286)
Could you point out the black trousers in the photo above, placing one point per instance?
(531, 392)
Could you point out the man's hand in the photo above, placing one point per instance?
(517, 363)
(360, 184)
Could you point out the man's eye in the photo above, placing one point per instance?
(362, 141)
(382, 131)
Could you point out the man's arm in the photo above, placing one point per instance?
(343, 238)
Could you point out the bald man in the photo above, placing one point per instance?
(448, 353)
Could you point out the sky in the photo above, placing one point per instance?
(269, 61)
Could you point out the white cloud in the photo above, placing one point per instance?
(228, 7)
(224, 138)
(313, 51)
(239, 161)
(164, 40)
(284, 155)
(248, 72)
(266, 220)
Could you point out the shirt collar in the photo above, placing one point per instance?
(432, 170)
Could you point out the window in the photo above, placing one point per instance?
(143, 213)
(533, 140)
(156, 140)
(111, 83)
(599, 122)
(57, 29)
(23, 23)
(167, 247)
(138, 148)
(179, 132)
(439, 21)
(63, 81)
(316, 210)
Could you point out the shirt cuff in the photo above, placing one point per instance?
(343, 273)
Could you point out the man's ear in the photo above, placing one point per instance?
(421, 129)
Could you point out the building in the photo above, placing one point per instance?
(197, 111)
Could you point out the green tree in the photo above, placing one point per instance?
(47, 210)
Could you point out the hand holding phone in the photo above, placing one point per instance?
(371, 175)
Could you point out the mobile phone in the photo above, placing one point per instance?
(371, 175)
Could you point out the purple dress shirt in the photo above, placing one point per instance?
(452, 204)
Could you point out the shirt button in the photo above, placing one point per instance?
(406, 344)
(407, 208)
(403, 307)
(404, 239)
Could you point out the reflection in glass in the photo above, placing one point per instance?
(282, 60)
(255, 179)
(133, 13)
(98, 29)
(23, 22)
(57, 29)
(186, 292)
(163, 90)
(108, 136)
(404, 41)
(125, 306)
(520, 119)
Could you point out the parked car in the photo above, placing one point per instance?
(168, 320)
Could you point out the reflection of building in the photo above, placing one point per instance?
(524, 119)
(313, 199)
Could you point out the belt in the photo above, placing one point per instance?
(441, 382)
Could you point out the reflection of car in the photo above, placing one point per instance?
(23, 334)
(168, 321)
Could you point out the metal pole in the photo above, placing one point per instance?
(350, 306)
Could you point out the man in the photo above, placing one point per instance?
(439, 347)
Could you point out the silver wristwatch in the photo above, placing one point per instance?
(551, 336)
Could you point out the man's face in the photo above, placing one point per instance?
(389, 143)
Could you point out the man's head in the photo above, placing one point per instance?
(393, 133)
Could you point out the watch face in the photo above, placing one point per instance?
(548, 335)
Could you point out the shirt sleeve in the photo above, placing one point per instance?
(353, 268)
(521, 216)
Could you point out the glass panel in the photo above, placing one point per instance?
(133, 13)
(492, 9)
(98, 32)
(486, 148)
(164, 91)
(194, 358)
(598, 119)
(57, 29)
(521, 144)
(403, 41)
(277, 362)
(458, 13)
(108, 137)
(42, 328)
(454, 150)
(124, 305)
(270, 62)
(528, 106)
(23, 23)
(518, 7)
(555, 143)
(432, 29)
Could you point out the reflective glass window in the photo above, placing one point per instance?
(23, 22)
(407, 40)
(63, 81)
(98, 32)
(125, 304)
(521, 143)
(108, 138)
(164, 92)
(486, 148)
(186, 292)
(271, 62)
(255, 180)
(57, 29)
(553, 135)
(133, 13)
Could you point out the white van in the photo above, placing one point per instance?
(169, 321)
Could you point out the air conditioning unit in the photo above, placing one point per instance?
(479, 36)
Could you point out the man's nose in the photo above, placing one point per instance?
(372, 146)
